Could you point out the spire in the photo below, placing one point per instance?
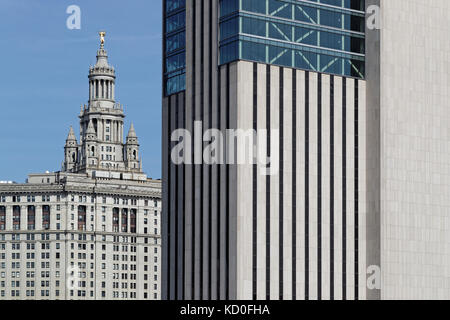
(71, 140)
(71, 135)
(90, 135)
(131, 132)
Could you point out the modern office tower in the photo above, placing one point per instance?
(92, 230)
(355, 205)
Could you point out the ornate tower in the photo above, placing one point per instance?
(101, 147)
(70, 151)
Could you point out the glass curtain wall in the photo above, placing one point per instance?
(174, 46)
(319, 35)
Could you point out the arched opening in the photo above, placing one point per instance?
(134, 154)
(73, 157)
(92, 151)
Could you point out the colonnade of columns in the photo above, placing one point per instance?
(101, 89)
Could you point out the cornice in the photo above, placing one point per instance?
(53, 188)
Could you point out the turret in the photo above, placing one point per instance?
(70, 152)
(90, 144)
(132, 150)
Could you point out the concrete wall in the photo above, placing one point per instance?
(373, 136)
(415, 149)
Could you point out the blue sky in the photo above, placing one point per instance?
(43, 77)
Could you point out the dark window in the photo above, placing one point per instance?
(124, 220)
(46, 217)
(31, 217)
(2, 217)
(133, 221)
(115, 221)
(81, 218)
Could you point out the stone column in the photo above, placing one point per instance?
(128, 220)
(8, 218)
(23, 217)
(120, 219)
(38, 217)
(121, 132)
(100, 129)
(111, 131)
(116, 131)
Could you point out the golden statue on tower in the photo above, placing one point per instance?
(102, 38)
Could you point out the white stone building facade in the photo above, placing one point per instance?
(92, 230)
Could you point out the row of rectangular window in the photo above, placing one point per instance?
(287, 8)
(81, 293)
(300, 59)
(81, 275)
(83, 199)
(81, 237)
(295, 34)
(81, 220)
(172, 5)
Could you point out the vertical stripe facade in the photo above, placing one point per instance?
(254, 190)
(309, 219)
(231, 232)
(196, 225)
